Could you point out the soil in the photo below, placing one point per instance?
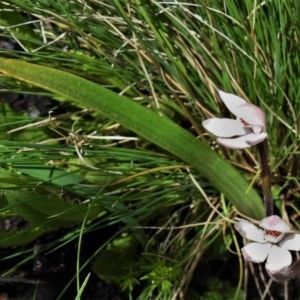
(47, 275)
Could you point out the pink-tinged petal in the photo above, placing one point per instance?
(250, 231)
(287, 273)
(232, 102)
(242, 142)
(291, 242)
(278, 259)
(256, 252)
(274, 223)
(236, 143)
(225, 127)
(252, 116)
(282, 275)
(254, 139)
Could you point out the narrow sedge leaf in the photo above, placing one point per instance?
(146, 123)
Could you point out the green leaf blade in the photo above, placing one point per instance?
(159, 130)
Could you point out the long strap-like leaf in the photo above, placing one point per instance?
(146, 123)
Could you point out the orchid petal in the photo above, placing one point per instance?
(232, 102)
(256, 252)
(254, 139)
(250, 231)
(242, 142)
(291, 242)
(225, 127)
(252, 116)
(278, 259)
(274, 223)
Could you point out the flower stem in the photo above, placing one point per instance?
(266, 177)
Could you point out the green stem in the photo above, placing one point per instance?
(266, 177)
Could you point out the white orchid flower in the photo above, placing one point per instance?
(246, 130)
(272, 243)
